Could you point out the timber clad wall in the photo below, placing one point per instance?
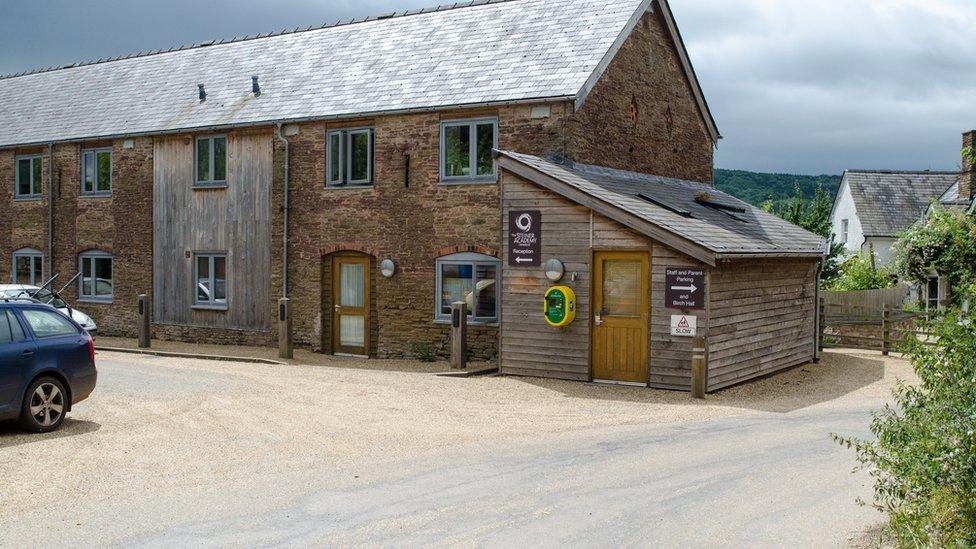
(763, 319)
(234, 220)
(671, 356)
(641, 115)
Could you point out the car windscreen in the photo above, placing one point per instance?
(44, 296)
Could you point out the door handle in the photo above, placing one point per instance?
(27, 354)
(338, 307)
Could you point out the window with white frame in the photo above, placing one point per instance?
(466, 147)
(28, 267)
(96, 171)
(349, 157)
(210, 277)
(845, 230)
(934, 294)
(29, 177)
(211, 161)
(471, 278)
(97, 281)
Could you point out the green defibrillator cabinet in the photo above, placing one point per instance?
(560, 306)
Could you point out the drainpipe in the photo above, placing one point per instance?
(284, 239)
(817, 319)
(50, 208)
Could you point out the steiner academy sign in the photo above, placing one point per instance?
(685, 288)
(525, 238)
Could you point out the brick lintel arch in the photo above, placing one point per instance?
(450, 250)
(348, 247)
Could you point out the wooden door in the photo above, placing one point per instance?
(350, 304)
(620, 322)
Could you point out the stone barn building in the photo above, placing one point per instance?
(350, 168)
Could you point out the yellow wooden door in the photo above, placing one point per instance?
(350, 304)
(620, 322)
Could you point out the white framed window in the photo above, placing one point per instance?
(210, 280)
(934, 294)
(97, 281)
(465, 150)
(473, 279)
(96, 172)
(349, 157)
(845, 230)
(210, 157)
(29, 177)
(28, 267)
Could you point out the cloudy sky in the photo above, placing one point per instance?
(796, 86)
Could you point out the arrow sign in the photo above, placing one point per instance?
(523, 260)
(684, 288)
(524, 238)
(691, 288)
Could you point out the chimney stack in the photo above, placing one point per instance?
(967, 181)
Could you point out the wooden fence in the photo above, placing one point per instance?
(892, 298)
(881, 328)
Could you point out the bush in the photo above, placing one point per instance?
(944, 242)
(860, 273)
(924, 459)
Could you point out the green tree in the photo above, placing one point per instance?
(860, 272)
(814, 216)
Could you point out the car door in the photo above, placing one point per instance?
(18, 355)
(60, 344)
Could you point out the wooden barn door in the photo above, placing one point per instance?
(620, 324)
(350, 304)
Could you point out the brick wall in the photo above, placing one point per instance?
(642, 115)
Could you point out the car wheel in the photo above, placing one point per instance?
(44, 406)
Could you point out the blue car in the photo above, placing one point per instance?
(47, 364)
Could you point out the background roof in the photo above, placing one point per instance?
(484, 53)
(889, 202)
(741, 229)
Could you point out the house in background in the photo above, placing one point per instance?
(873, 207)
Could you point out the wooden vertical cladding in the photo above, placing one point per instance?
(529, 346)
(763, 319)
(235, 220)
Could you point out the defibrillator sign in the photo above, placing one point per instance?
(684, 325)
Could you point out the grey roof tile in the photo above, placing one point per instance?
(506, 51)
(751, 231)
(889, 202)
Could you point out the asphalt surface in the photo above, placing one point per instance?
(759, 480)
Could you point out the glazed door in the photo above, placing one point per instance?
(620, 323)
(350, 296)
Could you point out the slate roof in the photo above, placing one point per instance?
(741, 229)
(487, 51)
(889, 202)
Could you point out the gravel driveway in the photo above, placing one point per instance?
(170, 451)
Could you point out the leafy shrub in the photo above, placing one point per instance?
(944, 242)
(924, 459)
(424, 351)
(859, 272)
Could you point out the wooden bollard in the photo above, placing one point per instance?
(143, 308)
(699, 368)
(286, 348)
(885, 331)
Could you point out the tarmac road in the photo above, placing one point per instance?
(757, 479)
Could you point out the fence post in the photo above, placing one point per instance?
(885, 330)
(699, 368)
(144, 315)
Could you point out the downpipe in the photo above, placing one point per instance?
(50, 207)
(285, 208)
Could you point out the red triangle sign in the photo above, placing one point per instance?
(684, 323)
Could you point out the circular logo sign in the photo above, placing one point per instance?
(524, 222)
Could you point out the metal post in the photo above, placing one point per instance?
(459, 335)
(885, 330)
(144, 342)
(286, 349)
(699, 368)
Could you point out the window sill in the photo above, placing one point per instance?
(209, 186)
(107, 194)
(37, 198)
(466, 182)
(480, 323)
(201, 307)
(97, 300)
(358, 186)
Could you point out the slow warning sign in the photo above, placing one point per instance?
(684, 325)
